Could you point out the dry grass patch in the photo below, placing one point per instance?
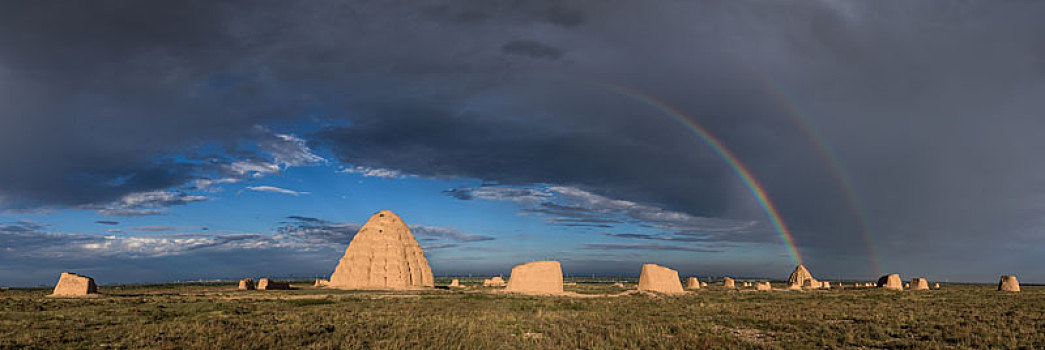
(217, 316)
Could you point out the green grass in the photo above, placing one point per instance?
(215, 316)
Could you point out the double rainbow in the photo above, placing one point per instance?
(756, 188)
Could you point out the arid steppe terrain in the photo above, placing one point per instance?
(216, 315)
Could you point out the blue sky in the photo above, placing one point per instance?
(486, 234)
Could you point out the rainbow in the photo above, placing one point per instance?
(719, 147)
(827, 155)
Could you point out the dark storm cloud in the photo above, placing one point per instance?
(733, 237)
(572, 214)
(931, 108)
(107, 222)
(95, 107)
(573, 207)
(504, 12)
(907, 96)
(532, 48)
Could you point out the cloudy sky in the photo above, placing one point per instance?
(205, 139)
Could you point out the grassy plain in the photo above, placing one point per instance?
(214, 315)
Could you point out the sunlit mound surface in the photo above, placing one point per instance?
(383, 255)
(536, 277)
(71, 285)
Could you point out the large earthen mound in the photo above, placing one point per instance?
(73, 285)
(268, 284)
(763, 286)
(891, 282)
(692, 283)
(383, 255)
(1009, 284)
(455, 283)
(246, 284)
(656, 278)
(728, 282)
(495, 281)
(536, 277)
(919, 283)
(801, 278)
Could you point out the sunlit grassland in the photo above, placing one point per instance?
(214, 315)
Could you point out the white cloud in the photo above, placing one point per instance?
(164, 228)
(131, 212)
(448, 233)
(290, 150)
(373, 172)
(277, 152)
(36, 243)
(528, 196)
(273, 153)
(146, 203)
(205, 184)
(159, 198)
(253, 168)
(275, 190)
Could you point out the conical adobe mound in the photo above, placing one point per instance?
(799, 278)
(383, 255)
